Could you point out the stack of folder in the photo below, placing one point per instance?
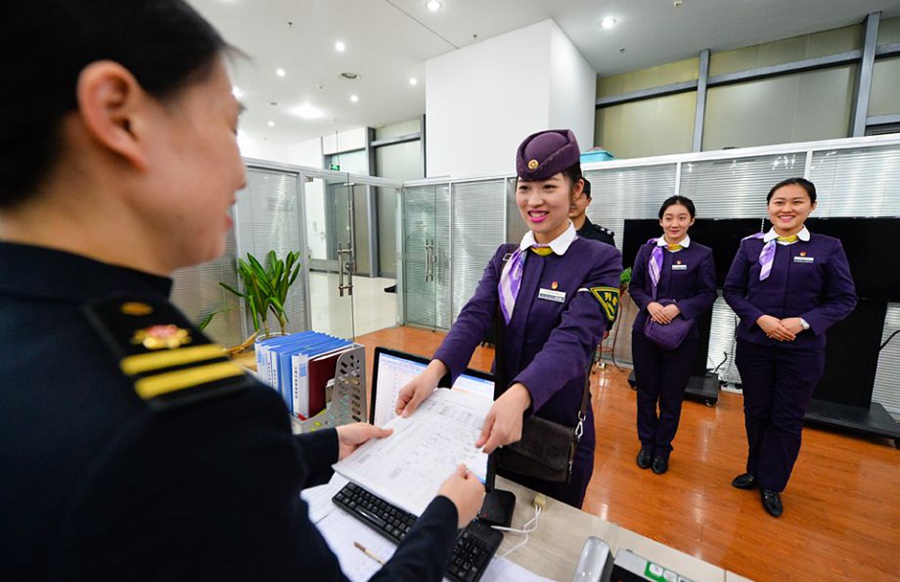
(299, 366)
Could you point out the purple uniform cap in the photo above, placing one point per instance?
(546, 153)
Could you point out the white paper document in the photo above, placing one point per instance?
(319, 497)
(408, 467)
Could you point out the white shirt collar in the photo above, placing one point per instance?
(559, 245)
(685, 242)
(772, 235)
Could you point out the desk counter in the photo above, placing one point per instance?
(554, 549)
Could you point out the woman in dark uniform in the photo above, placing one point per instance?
(556, 292)
(133, 449)
(672, 277)
(788, 286)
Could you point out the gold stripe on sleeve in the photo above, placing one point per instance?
(140, 363)
(160, 384)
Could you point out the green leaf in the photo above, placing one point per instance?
(232, 289)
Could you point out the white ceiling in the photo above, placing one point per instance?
(389, 41)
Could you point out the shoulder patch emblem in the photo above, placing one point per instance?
(608, 297)
(158, 337)
(170, 363)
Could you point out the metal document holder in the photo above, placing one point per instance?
(348, 396)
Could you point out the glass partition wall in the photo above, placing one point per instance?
(447, 231)
(327, 217)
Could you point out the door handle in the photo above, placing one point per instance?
(345, 264)
(429, 260)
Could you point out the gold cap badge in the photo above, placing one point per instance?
(532, 164)
(136, 308)
(159, 337)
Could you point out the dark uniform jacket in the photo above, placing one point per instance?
(596, 232)
(687, 276)
(547, 345)
(809, 279)
(98, 483)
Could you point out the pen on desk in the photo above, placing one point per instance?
(368, 552)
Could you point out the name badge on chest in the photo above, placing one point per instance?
(550, 295)
(678, 267)
(804, 259)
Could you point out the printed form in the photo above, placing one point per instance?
(408, 467)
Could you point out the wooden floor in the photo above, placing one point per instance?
(842, 506)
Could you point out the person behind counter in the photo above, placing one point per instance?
(583, 225)
(556, 293)
(788, 286)
(132, 448)
(673, 277)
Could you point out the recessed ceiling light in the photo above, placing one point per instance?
(433, 5)
(307, 111)
(413, 81)
(354, 98)
(271, 124)
(340, 47)
(608, 22)
(237, 92)
(280, 72)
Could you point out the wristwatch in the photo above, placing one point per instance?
(803, 323)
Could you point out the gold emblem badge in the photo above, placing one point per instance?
(533, 164)
(159, 337)
(136, 308)
(554, 285)
(802, 253)
(678, 262)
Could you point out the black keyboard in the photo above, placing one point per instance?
(475, 545)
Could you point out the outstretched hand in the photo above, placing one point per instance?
(466, 492)
(419, 388)
(351, 436)
(503, 424)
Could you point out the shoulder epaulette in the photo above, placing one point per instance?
(170, 362)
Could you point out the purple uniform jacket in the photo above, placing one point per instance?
(809, 279)
(687, 276)
(546, 345)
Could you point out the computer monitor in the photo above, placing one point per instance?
(393, 370)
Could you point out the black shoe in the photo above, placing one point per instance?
(660, 464)
(771, 501)
(744, 481)
(644, 459)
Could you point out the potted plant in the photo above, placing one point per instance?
(624, 280)
(264, 292)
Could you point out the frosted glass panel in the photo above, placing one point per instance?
(197, 293)
(477, 230)
(737, 188)
(268, 217)
(857, 182)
